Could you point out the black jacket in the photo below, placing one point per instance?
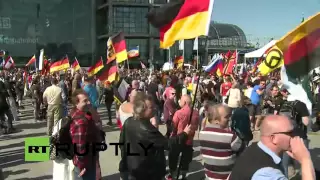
(250, 161)
(153, 165)
(4, 106)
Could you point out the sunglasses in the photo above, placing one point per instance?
(288, 133)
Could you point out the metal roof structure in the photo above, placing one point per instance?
(225, 36)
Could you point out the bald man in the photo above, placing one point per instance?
(169, 109)
(134, 86)
(180, 121)
(262, 160)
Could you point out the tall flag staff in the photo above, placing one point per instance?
(196, 47)
(181, 47)
(180, 20)
(41, 59)
(170, 60)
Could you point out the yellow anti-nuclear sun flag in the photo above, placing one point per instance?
(273, 60)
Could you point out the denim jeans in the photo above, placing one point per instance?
(90, 173)
(65, 110)
(286, 159)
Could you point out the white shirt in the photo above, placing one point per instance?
(248, 92)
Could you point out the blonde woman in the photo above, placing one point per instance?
(234, 94)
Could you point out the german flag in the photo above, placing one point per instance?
(120, 48)
(96, 68)
(301, 48)
(181, 19)
(109, 72)
(178, 61)
(75, 65)
(111, 55)
(60, 65)
(32, 60)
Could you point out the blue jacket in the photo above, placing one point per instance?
(92, 92)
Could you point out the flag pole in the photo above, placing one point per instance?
(183, 54)
(194, 100)
(169, 55)
(128, 64)
(35, 63)
(198, 56)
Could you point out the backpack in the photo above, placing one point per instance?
(240, 124)
(63, 136)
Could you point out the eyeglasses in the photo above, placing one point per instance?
(288, 133)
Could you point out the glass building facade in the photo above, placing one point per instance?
(81, 28)
(61, 27)
(128, 16)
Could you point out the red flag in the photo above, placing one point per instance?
(228, 68)
(46, 67)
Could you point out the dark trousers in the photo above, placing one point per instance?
(90, 173)
(130, 177)
(8, 124)
(108, 106)
(43, 114)
(169, 128)
(186, 157)
(36, 111)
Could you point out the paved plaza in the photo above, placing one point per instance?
(14, 167)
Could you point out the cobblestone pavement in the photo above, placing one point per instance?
(14, 167)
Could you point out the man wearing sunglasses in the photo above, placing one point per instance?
(262, 160)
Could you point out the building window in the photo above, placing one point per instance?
(133, 1)
(102, 22)
(158, 54)
(62, 27)
(159, 1)
(143, 47)
(130, 20)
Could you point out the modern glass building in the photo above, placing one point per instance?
(128, 16)
(81, 28)
(61, 27)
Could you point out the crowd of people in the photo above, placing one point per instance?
(224, 112)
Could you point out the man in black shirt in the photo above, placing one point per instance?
(210, 90)
(153, 91)
(300, 116)
(273, 101)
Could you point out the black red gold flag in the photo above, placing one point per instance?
(181, 19)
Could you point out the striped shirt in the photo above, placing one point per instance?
(218, 148)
